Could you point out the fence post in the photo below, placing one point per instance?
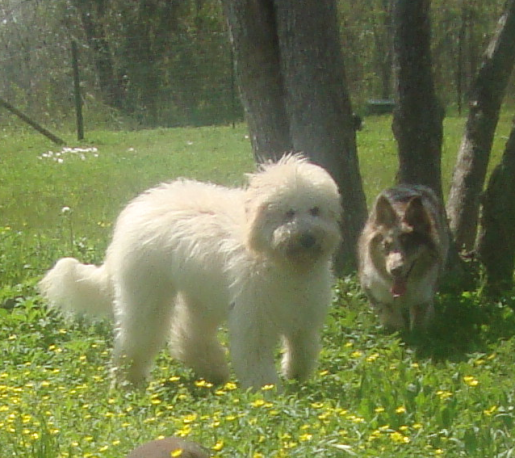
(76, 90)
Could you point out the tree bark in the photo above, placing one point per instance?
(418, 116)
(496, 240)
(485, 103)
(318, 105)
(290, 72)
(253, 33)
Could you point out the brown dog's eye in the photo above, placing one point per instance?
(386, 245)
(315, 211)
(290, 214)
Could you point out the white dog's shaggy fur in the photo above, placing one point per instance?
(186, 255)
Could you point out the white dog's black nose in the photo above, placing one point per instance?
(308, 240)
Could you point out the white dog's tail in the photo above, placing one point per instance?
(79, 288)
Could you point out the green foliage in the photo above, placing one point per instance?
(162, 63)
(448, 393)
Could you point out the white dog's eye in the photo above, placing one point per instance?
(290, 214)
(315, 211)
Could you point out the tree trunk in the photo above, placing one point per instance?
(252, 29)
(290, 72)
(110, 86)
(496, 240)
(418, 116)
(318, 105)
(487, 94)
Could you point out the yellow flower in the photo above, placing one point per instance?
(489, 412)
(400, 410)
(229, 386)
(258, 403)
(175, 453)
(399, 438)
(305, 437)
(268, 387)
(218, 446)
(443, 395)
(356, 419)
(470, 381)
(372, 357)
(184, 431)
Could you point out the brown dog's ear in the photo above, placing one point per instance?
(384, 214)
(416, 216)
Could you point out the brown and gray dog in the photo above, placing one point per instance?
(402, 251)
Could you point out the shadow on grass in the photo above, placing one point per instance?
(464, 324)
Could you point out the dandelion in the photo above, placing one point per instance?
(443, 395)
(399, 438)
(185, 431)
(305, 437)
(268, 387)
(356, 419)
(379, 410)
(176, 453)
(218, 446)
(203, 384)
(229, 386)
(289, 445)
(489, 412)
(258, 403)
(470, 381)
(356, 354)
(372, 357)
(400, 410)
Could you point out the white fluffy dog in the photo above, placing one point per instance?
(185, 256)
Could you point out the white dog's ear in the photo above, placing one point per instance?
(384, 214)
(256, 220)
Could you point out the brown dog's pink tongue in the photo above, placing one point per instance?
(399, 287)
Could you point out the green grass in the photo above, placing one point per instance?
(449, 393)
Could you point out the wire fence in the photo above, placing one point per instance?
(185, 87)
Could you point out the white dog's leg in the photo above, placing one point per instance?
(194, 341)
(300, 357)
(252, 344)
(143, 320)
